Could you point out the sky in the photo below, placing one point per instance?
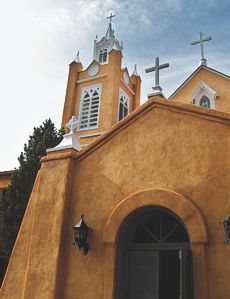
(40, 38)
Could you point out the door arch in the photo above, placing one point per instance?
(154, 259)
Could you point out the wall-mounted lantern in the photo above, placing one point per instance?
(81, 231)
(226, 225)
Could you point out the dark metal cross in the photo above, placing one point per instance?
(110, 17)
(201, 41)
(156, 68)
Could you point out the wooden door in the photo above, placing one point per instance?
(154, 257)
(142, 275)
(186, 286)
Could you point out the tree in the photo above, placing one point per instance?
(13, 203)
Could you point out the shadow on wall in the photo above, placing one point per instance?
(3, 266)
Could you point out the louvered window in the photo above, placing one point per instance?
(124, 103)
(90, 107)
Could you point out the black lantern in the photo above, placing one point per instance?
(81, 231)
(226, 225)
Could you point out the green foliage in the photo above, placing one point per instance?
(14, 202)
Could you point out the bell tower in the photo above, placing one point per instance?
(103, 93)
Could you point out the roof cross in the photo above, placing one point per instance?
(157, 68)
(110, 17)
(203, 61)
(77, 58)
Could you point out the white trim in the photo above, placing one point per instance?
(70, 140)
(91, 78)
(84, 90)
(127, 100)
(204, 90)
(103, 50)
(93, 70)
(193, 74)
(103, 63)
(61, 148)
(91, 135)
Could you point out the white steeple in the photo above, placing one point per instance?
(135, 73)
(106, 44)
(77, 58)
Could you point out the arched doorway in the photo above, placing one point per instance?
(154, 259)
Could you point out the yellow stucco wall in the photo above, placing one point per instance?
(217, 82)
(162, 149)
(164, 146)
(110, 75)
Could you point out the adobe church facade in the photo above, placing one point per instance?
(152, 182)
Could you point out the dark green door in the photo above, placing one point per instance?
(154, 257)
(142, 274)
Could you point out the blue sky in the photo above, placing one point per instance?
(40, 38)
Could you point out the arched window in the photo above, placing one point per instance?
(102, 58)
(154, 258)
(124, 102)
(204, 102)
(89, 107)
(204, 96)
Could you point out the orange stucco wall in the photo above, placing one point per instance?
(217, 82)
(110, 75)
(162, 149)
(167, 154)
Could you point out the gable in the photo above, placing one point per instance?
(217, 82)
(163, 145)
(166, 146)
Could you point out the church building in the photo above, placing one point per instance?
(142, 190)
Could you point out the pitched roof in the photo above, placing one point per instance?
(193, 74)
(153, 103)
(159, 103)
(6, 173)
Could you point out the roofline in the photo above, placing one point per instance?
(155, 102)
(152, 103)
(193, 74)
(6, 173)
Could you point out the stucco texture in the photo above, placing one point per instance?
(216, 81)
(164, 154)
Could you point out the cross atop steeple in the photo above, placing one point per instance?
(77, 58)
(203, 61)
(106, 43)
(157, 89)
(110, 17)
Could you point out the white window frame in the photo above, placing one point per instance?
(204, 90)
(90, 90)
(204, 95)
(102, 51)
(126, 99)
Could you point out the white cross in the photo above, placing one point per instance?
(156, 68)
(77, 58)
(72, 124)
(201, 41)
(110, 17)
